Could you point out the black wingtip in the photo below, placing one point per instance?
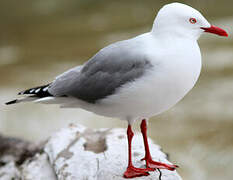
(11, 102)
(39, 91)
(20, 93)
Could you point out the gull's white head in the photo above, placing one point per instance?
(178, 19)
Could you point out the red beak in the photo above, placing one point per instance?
(215, 30)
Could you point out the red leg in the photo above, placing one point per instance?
(132, 171)
(149, 162)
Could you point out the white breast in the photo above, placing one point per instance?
(176, 68)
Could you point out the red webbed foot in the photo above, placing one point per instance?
(159, 165)
(133, 172)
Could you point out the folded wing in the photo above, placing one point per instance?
(103, 74)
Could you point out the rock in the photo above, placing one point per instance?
(79, 153)
(9, 172)
(32, 169)
(16, 150)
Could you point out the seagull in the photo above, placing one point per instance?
(137, 78)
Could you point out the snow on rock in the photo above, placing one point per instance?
(9, 172)
(81, 153)
(38, 168)
(78, 153)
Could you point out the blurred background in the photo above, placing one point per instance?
(41, 39)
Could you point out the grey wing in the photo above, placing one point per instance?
(103, 74)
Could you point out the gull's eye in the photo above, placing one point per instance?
(192, 20)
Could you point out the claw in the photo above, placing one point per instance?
(143, 159)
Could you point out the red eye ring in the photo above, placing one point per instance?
(192, 20)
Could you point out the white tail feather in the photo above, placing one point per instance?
(54, 100)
